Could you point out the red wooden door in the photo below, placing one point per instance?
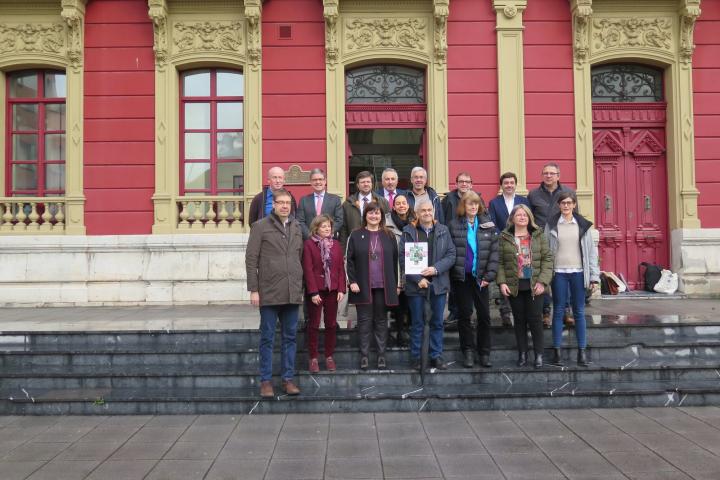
(631, 206)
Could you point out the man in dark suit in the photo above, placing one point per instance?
(317, 203)
(389, 188)
(502, 205)
(354, 205)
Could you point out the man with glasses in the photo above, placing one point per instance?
(543, 201)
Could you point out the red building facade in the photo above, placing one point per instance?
(506, 85)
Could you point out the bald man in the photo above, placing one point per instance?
(261, 205)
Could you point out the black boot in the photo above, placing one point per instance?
(557, 357)
(485, 361)
(469, 361)
(538, 360)
(582, 358)
(522, 359)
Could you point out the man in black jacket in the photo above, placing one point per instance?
(262, 204)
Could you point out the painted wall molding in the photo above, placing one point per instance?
(511, 90)
(660, 33)
(190, 35)
(405, 32)
(50, 35)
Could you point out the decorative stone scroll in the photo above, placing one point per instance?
(441, 13)
(208, 36)
(632, 32)
(253, 10)
(73, 12)
(331, 14)
(158, 14)
(36, 38)
(688, 15)
(582, 11)
(364, 33)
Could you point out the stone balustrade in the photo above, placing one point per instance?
(32, 215)
(210, 214)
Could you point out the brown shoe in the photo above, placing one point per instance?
(266, 389)
(330, 364)
(547, 320)
(314, 365)
(290, 388)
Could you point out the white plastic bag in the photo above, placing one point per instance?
(668, 282)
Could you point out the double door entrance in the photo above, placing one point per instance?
(631, 188)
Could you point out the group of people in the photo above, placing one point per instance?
(315, 251)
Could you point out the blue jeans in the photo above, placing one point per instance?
(564, 285)
(417, 315)
(269, 315)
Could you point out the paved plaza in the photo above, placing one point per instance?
(651, 444)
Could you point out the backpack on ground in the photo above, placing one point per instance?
(652, 275)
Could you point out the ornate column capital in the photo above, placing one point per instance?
(509, 13)
(689, 13)
(441, 11)
(158, 13)
(331, 14)
(253, 12)
(581, 14)
(73, 12)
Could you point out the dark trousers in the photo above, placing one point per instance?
(401, 313)
(468, 294)
(329, 307)
(527, 312)
(372, 321)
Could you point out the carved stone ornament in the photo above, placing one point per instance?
(331, 14)
(688, 16)
(253, 10)
(510, 11)
(581, 21)
(32, 38)
(632, 32)
(73, 12)
(441, 13)
(208, 36)
(158, 14)
(386, 32)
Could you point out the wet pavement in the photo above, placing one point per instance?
(642, 443)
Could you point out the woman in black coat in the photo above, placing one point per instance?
(372, 271)
(476, 264)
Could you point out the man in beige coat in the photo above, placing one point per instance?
(274, 279)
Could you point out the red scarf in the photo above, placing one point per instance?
(325, 245)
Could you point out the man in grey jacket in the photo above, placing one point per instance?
(274, 280)
(317, 203)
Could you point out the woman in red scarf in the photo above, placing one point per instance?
(325, 286)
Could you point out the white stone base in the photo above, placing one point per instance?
(695, 256)
(123, 270)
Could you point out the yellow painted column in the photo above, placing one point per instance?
(511, 91)
(336, 167)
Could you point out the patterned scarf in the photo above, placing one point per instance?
(325, 246)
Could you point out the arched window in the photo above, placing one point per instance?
(36, 133)
(626, 83)
(384, 84)
(211, 140)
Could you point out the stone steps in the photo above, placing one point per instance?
(651, 364)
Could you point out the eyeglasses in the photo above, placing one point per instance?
(464, 181)
(282, 203)
(550, 174)
(567, 203)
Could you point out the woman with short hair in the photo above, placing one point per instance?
(576, 269)
(372, 272)
(324, 273)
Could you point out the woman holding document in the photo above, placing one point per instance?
(426, 255)
(476, 264)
